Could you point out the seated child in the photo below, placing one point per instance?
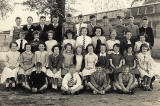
(100, 82)
(125, 82)
(21, 42)
(38, 80)
(9, 74)
(55, 65)
(71, 82)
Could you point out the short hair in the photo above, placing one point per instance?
(38, 64)
(68, 44)
(55, 16)
(18, 18)
(144, 45)
(98, 27)
(117, 45)
(30, 17)
(26, 45)
(102, 44)
(42, 43)
(145, 18)
(82, 29)
(127, 31)
(80, 16)
(35, 32)
(69, 31)
(13, 43)
(69, 15)
(130, 17)
(22, 32)
(50, 31)
(105, 17)
(42, 17)
(128, 46)
(55, 47)
(92, 16)
(89, 46)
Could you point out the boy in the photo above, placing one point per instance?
(126, 81)
(148, 31)
(21, 42)
(29, 29)
(57, 28)
(14, 32)
(91, 25)
(71, 83)
(42, 28)
(80, 24)
(100, 82)
(38, 80)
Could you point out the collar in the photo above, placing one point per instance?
(28, 52)
(38, 72)
(104, 54)
(55, 25)
(115, 53)
(36, 40)
(90, 53)
(129, 54)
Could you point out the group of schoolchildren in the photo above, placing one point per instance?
(72, 57)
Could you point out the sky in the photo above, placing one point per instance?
(82, 7)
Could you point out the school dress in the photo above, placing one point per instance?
(27, 62)
(12, 59)
(50, 44)
(90, 62)
(97, 41)
(129, 60)
(71, 81)
(67, 62)
(55, 62)
(71, 41)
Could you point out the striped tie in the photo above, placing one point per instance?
(83, 42)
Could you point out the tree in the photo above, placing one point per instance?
(47, 7)
(5, 8)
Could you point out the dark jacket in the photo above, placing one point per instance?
(29, 37)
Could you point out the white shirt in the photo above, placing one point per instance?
(76, 79)
(71, 41)
(79, 41)
(110, 43)
(19, 42)
(78, 27)
(50, 44)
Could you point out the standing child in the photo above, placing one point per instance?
(26, 64)
(38, 80)
(50, 42)
(42, 56)
(21, 42)
(9, 74)
(98, 39)
(55, 65)
(67, 59)
(126, 81)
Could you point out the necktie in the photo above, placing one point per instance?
(83, 42)
(80, 27)
(21, 44)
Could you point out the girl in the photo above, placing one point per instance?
(55, 65)
(67, 61)
(90, 61)
(42, 56)
(50, 42)
(69, 38)
(116, 61)
(112, 41)
(98, 39)
(78, 59)
(9, 74)
(26, 64)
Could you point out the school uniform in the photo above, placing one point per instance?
(21, 44)
(14, 32)
(50, 44)
(134, 29)
(149, 35)
(43, 32)
(12, 59)
(97, 41)
(57, 31)
(29, 29)
(79, 26)
(34, 45)
(79, 62)
(90, 27)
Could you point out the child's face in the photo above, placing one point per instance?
(145, 23)
(131, 20)
(128, 35)
(106, 20)
(116, 49)
(50, 36)
(126, 70)
(90, 49)
(93, 20)
(79, 50)
(69, 35)
(98, 32)
(29, 20)
(55, 20)
(56, 50)
(21, 36)
(14, 47)
(38, 68)
(41, 47)
(80, 20)
(113, 35)
(28, 48)
(130, 50)
(84, 32)
(36, 36)
(68, 48)
(43, 20)
(18, 21)
(103, 49)
(142, 38)
(68, 19)
(144, 49)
